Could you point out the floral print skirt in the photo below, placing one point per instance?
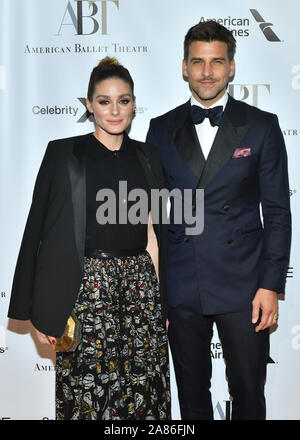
(120, 370)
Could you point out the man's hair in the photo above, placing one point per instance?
(210, 31)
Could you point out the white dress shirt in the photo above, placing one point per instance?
(206, 133)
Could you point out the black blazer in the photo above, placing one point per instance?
(50, 262)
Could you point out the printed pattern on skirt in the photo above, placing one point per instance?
(120, 370)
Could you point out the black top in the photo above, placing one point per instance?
(115, 173)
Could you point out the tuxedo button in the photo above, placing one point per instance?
(229, 241)
(225, 208)
(186, 239)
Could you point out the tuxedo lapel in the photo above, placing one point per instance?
(77, 172)
(185, 138)
(229, 136)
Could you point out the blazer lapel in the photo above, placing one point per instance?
(147, 167)
(186, 141)
(77, 172)
(228, 138)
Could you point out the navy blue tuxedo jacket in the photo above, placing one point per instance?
(245, 244)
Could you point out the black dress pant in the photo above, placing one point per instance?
(245, 354)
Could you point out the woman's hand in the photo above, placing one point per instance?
(152, 246)
(44, 339)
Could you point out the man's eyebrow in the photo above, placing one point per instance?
(214, 58)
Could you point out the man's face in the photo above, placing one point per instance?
(208, 70)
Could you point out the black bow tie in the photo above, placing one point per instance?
(198, 114)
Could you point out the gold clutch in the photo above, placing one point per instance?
(71, 337)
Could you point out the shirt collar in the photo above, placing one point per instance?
(124, 148)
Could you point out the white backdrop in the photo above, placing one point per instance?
(47, 51)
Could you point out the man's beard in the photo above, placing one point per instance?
(209, 98)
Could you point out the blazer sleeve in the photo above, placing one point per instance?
(151, 136)
(163, 242)
(275, 201)
(23, 282)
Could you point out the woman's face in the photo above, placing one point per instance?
(112, 105)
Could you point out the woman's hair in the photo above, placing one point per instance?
(108, 68)
(210, 31)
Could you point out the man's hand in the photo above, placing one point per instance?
(266, 301)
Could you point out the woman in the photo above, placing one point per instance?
(71, 261)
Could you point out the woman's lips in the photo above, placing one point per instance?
(115, 121)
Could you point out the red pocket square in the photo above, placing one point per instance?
(242, 152)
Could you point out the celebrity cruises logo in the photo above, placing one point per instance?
(265, 26)
(87, 16)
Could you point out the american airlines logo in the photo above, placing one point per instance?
(223, 410)
(265, 26)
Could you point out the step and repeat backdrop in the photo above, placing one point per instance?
(47, 51)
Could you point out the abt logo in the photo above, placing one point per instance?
(265, 27)
(86, 16)
(249, 92)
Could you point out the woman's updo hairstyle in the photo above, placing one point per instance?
(108, 68)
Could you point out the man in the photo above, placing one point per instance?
(232, 272)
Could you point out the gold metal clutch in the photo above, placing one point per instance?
(71, 337)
